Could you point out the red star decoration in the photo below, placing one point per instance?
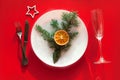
(32, 8)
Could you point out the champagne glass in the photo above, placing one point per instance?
(97, 21)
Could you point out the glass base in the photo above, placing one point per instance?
(101, 61)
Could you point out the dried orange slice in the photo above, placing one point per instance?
(61, 37)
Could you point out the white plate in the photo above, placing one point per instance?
(42, 50)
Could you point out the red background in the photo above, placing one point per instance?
(12, 11)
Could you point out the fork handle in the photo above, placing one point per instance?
(24, 58)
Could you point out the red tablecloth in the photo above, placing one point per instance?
(12, 11)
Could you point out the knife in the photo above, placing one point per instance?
(26, 32)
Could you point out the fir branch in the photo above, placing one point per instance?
(69, 20)
(56, 55)
(65, 26)
(66, 47)
(52, 44)
(73, 35)
(46, 35)
(54, 24)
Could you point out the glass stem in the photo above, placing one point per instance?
(100, 47)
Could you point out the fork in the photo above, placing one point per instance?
(19, 34)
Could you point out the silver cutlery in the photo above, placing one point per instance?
(19, 34)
